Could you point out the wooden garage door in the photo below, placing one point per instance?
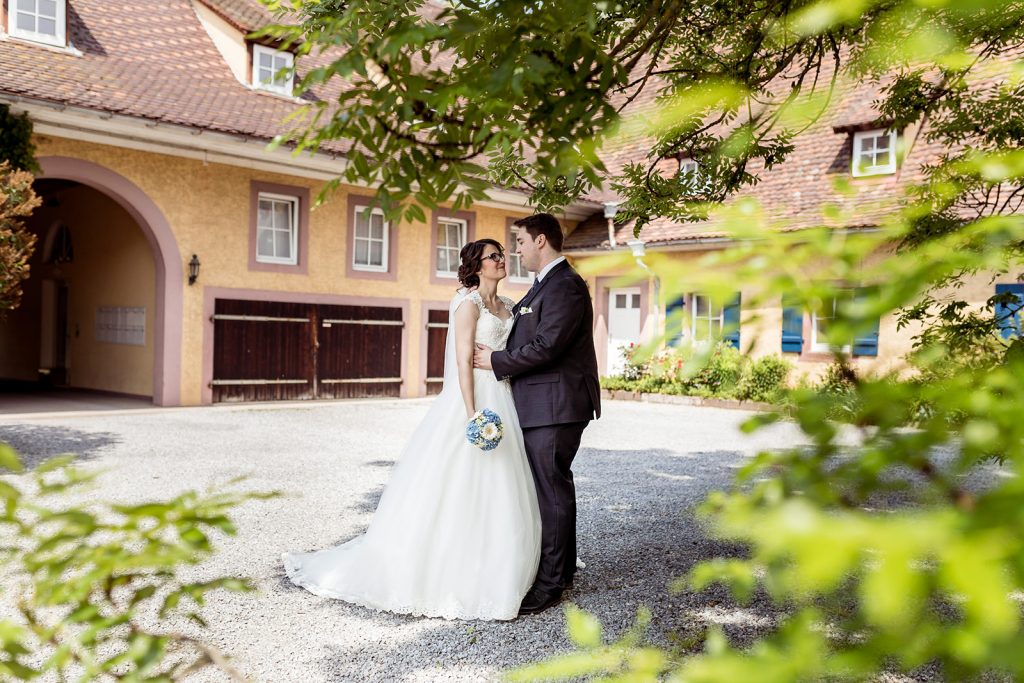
(262, 351)
(267, 351)
(437, 331)
(360, 351)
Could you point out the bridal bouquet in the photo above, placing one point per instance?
(485, 430)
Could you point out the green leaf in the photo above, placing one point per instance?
(9, 459)
(583, 628)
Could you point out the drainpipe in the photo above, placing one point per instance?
(639, 249)
(610, 209)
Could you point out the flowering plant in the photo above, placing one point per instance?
(485, 430)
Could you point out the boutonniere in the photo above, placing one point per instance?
(524, 310)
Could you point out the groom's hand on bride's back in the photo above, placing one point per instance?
(482, 357)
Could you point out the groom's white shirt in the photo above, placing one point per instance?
(544, 271)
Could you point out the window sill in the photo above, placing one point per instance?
(369, 269)
(67, 49)
(875, 174)
(294, 268)
(294, 99)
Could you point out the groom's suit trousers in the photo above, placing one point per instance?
(551, 450)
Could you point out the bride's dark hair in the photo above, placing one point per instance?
(472, 260)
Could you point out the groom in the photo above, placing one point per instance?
(552, 366)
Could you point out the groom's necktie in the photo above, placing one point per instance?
(529, 293)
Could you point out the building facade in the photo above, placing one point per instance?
(182, 259)
(847, 172)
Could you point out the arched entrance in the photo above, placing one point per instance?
(117, 322)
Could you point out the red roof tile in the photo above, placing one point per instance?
(245, 15)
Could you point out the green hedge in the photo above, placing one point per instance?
(723, 373)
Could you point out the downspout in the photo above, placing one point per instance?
(610, 209)
(639, 250)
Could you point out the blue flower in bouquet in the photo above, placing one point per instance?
(485, 430)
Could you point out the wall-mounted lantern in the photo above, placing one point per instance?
(193, 270)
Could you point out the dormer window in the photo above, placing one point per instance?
(41, 21)
(689, 169)
(688, 166)
(267, 66)
(874, 152)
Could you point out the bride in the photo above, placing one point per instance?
(457, 531)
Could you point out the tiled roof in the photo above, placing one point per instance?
(154, 60)
(245, 15)
(151, 60)
(794, 192)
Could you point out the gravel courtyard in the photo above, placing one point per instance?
(640, 471)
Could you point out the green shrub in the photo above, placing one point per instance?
(838, 388)
(839, 378)
(670, 364)
(764, 379)
(726, 373)
(720, 375)
(617, 383)
(635, 366)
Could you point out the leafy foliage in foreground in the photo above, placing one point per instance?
(90, 581)
(868, 534)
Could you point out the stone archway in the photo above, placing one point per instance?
(167, 337)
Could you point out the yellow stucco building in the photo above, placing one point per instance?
(181, 259)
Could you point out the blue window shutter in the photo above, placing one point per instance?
(731, 322)
(866, 344)
(1009, 315)
(674, 321)
(792, 328)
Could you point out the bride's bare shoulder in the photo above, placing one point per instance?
(471, 295)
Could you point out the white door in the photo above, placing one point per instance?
(623, 324)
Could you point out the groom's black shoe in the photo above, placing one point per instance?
(536, 601)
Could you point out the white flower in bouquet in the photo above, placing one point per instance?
(485, 430)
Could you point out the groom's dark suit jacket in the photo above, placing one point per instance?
(550, 357)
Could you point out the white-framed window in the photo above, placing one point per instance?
(517, 272)
(689, 167)
(707, 320)
(451, 235)
(627, 301)
(874, 152)
(42, 21)
(267, 64)
(372, 240)
(820, 321)
(277, 229)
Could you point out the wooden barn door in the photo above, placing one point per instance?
(437, 331)
(269, 351)
(262, 351)
(360, 351)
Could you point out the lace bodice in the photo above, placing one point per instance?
(491, 330)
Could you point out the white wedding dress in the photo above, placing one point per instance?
(457, 531)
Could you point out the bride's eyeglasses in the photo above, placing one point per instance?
(496, 257)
